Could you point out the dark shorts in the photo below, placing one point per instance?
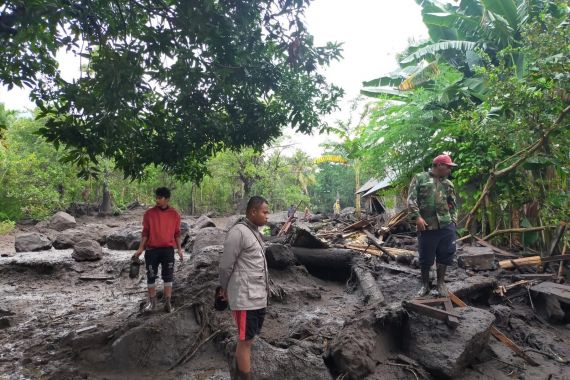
(163, 257)
(438, 245)
(249, 322)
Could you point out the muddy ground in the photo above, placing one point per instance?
(63, 319)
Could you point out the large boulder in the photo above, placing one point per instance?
(445, 352)
(207, 237)
(30, 242)
(279, 256)
(87, 250)
(127, 238)
(62, 221)
(69, 238)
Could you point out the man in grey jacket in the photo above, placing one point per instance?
(244, 278)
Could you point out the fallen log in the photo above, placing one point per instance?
(327, 263)
(372, 293)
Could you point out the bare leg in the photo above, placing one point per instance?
(243, 356)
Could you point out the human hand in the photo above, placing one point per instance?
(181, 255)
(421, 224)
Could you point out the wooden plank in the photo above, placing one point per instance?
(400, 269)
(560, 291)
(451, 321)
(498, 334)
(431, 301)
(429, 311)
(512, 345)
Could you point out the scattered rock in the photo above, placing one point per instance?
(348, 211)
(68, 238)
(208, 236)
(203, 222)
(279, 256)
(128, 238)
(32, 241)
(62, 221)
(87, 250)
(446, 352)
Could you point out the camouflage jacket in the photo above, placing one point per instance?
(434, 199)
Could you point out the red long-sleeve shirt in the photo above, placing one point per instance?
(162, 227)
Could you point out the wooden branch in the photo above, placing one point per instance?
(528, 151)
(372, 239)
(516, 230)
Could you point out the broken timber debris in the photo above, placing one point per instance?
(531, 261)
(424, 306)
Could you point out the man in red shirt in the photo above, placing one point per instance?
(160, 234)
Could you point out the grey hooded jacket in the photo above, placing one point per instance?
(247, 286)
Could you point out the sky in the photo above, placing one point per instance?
(373, 32)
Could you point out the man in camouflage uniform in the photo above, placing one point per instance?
(432, 205)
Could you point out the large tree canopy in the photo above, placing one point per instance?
(167, 82)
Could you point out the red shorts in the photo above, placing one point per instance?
(249, 322)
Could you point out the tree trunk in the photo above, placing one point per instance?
(106, 207)
(372, 293)
(326, 263)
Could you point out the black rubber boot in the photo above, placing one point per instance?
(424, 290)
(441, 288)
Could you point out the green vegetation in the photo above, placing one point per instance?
(491, 82)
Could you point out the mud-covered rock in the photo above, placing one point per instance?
(87, 250)
(293, 363)
(203, 222)
(279, 256)
(62, 221)
(69, 238)
(364, 341)
(127, 238)
(30, 242)
(157, 343)
(445, 352)
(208, 236)
(207, 256)
(232, 221)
